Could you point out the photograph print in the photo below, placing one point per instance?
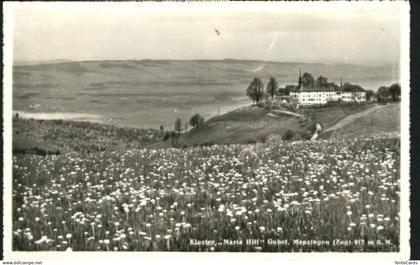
(207, 127)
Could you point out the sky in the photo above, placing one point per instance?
(185, 31)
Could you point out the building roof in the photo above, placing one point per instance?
(314, 89)
(331, 88)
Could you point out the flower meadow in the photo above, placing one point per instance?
(218, 196)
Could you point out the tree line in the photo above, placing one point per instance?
(391, 93)
(256, 90)
(195, 121)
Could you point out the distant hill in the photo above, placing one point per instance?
(203, 72)
(41, 62)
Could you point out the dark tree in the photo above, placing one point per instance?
(272, 87)
(348, 87)
(178, 125)
(196, 120)
(308, 80)
(395, 91)
(369, 94)
(166, 136)
(321, 82)
(255, 90)
(383, 94)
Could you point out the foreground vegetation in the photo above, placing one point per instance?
(59, 136)
(162, 199)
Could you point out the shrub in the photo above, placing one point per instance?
(166, 136)
(288, 135)
(196, 120)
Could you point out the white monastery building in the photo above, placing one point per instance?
(320, 96)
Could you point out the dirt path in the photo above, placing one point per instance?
(317, 131)
(349, 119)
(276, 113)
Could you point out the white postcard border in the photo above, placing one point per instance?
(195, 257)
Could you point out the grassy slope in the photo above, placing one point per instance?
(252, 124)
(380, 120)
(331, 115)
(244, 125)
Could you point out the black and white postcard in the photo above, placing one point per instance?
(277, 129)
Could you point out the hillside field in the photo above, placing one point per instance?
(254, 124)
(377, 121)
(244, 125)
(51, 136)
(250, 124)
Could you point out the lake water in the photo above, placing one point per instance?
(58, 116)
(141, 117)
